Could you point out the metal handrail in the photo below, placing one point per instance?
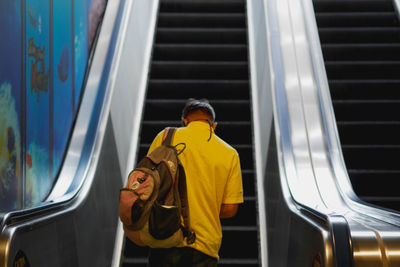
(396, 4)
(312, 207)
(282, 115)
(331, 134)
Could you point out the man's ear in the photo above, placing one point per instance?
(214, 125)
(185, 121)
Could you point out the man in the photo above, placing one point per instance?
(214, 186)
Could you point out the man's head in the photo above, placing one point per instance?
(196, 110)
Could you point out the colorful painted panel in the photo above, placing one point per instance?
(81, 46)
(63, 101)
(10, 105)
(37, 167)
(43, 62)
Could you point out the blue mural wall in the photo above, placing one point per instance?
(43, 62)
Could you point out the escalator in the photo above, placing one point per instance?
(200, 51)
(360, 41)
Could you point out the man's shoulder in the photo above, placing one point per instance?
(224, 145)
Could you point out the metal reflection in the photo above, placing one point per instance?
(313, 166)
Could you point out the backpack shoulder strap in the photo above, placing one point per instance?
(187, 230)
(168, 135)
(182, 190)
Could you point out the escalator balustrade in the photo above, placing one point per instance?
(360, 41)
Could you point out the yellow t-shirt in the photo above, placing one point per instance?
(213, 177)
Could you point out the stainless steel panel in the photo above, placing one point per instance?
(311, 167)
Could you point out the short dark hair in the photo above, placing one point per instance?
(193, 105)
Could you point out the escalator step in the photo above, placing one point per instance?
(218, 89)
(248, 179)
(379, 133)
(362, 69)
(390, 203)
(199, 70)
(202, 20)
(239, 262)
(132, 262)
(364, 181)
(167, 109)
(202, 52)
(361, 52)
(377, 157)
(223, 6)
(364, 89)
(356, 19)
(246, 235)
(244, 215)
(201, 35)
(360, 35)
(365, 110)
(351, 6)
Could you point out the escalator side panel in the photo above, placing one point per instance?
(66, 239)
(287, 229)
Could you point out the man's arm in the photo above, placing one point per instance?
(233, 194)
(228, 210)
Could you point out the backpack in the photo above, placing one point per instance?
(153, 206)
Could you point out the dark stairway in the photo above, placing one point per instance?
(200, 51)
(361, 47)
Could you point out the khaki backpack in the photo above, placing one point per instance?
(153, 206)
